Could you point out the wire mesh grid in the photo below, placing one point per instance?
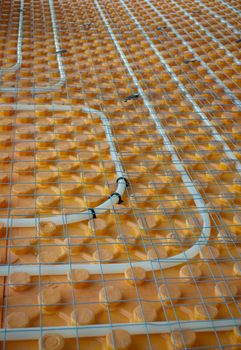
(160, 82)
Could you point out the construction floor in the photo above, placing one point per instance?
(120, 174)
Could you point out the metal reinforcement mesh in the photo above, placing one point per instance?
(120, 163)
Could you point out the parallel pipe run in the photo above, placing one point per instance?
(216, 15)
(181, 86)
(198, 200)
(101, 330)
(198, 110)
(117, 268)
(17, 65)
(235, 100)
(85, 215)
(230, 7)
(62, 79)
(236, 60)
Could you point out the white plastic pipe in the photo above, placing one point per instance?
(85, 215)
(216, 15)
(19, 45)
(62, 79)
(33, 107)
(230, 7)
(228, 53)
(120, 267)
(235, 100)
(140, 328)
(198, 200)
(100, 330)
(181, 86)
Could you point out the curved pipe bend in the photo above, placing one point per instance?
(120, 267)
(42, 89)
(17, 65)
(85, 215)
(133, 328)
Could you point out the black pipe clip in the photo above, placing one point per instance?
(161, 27)
(132, 97)
(119, 196)
(92, 210)
(123, 178)
(61, 51)
(189, 61)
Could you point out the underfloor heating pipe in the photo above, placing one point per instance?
(208, 33)
(17, 65)
(236, 101)
(216, 15)
(101, 330)
(117, 268)
(85, 215)
(198, 110)
(156, 327)
(225, 3)
(62, 78)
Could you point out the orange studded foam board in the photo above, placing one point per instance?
(120, 187)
